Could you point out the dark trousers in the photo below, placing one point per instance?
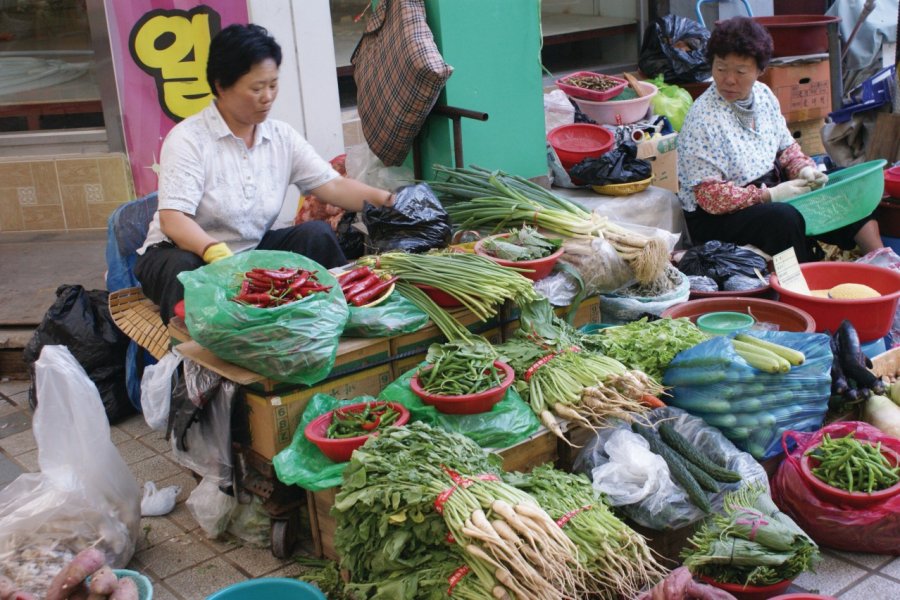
(158, 268)
(771, 227)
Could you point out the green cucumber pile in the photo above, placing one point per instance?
(692, 470)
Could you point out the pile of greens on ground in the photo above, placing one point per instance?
(750, 543)
(521, 244)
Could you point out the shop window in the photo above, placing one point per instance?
(47, 67)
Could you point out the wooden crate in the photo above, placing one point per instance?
(537, 450)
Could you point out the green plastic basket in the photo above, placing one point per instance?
(850, 195)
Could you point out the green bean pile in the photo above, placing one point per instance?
(854, 466)
(459, 368)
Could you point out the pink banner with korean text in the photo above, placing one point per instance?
(159, 51)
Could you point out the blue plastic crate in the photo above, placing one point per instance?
(872, 93)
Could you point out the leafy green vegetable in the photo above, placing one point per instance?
(647, 345)
(521, 244)
(751, 542)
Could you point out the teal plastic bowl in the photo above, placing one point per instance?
(145, 588)
(725, 322)
(850, 195)
(270, 588)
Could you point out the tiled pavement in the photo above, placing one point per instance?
(184, 564)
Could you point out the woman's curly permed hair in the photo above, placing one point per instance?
(742, 36)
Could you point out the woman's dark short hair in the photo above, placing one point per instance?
(742, 36)
(233, 52)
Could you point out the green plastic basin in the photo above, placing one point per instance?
(850, 195)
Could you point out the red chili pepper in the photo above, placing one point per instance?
(372, 293)
(354, 275)
(254, 298)
(362, 285)
(370, 425)
(299, 282)
(259, 277)
(282, 274)
(305, 291)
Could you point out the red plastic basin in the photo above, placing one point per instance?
(786, 317)
(576, 141)
(871, 317)
(440, 297)
(595, 95)
(795, 35)
(537, 268)
(803, 596)
(892, 182)
(340, 450)
(750, 592)
(843, 497)
(468, 404)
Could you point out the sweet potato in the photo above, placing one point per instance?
(125, 590)
(103, 582)
(7, 588)
(83, 565)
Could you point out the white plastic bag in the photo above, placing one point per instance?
(364, 166)
(557, 110)
(634, 473)
(600, 266)
(85, 494)
(559, 288)
(156, 390)
(156, 502)
(211, 507)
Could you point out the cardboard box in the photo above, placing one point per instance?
(274, 418)
(588, 312)
(538, 449)
(809, 135)
(803, 88)
(662, 153)
(401, 365)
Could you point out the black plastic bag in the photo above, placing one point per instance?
(675, 47)
(416, 223)
(720, 260)
(80, 320)
(351, 240)
(620, 165)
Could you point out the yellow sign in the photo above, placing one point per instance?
(173, 47)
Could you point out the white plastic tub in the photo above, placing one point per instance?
(622, 112)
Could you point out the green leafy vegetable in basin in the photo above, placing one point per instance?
(459, 368)
(521, 244)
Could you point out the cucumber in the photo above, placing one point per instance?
(702, 477)
(683, 447)
(692, 402)
(677, 467)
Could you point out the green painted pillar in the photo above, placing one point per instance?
(494, 47)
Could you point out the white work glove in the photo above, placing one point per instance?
(814, 177)
(788, 189)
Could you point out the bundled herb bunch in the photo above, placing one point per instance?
(424, 513)
(750, 543)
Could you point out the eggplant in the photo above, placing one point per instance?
(850, 353)
(839, 383)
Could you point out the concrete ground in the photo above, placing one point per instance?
(172, 550)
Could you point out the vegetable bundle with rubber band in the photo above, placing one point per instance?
(750, 543)
(618, 559)
(415, 496)
(476, 197)
(478, 283)
(556, 376)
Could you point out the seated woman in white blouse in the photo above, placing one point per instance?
(737, 160)
(224, 173)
